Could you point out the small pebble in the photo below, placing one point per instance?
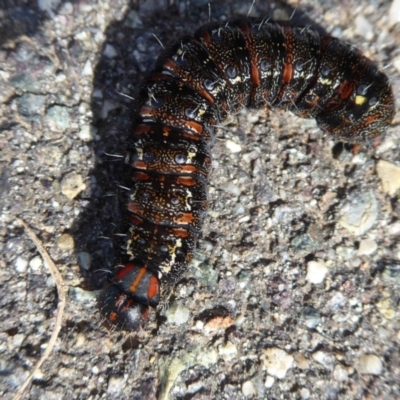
(394, 12)
(393, 229)
(110, 51)
(340, 373)
(84, 260)
(49, 6)
(385, 308)
(277, 362)
(367, 247)
(65, 372)
(248, 389)
(269, 382)
(30, 104)
(80, 340)
(312, 317)
(59, 117)
(195, 387)
(82, 296)
(87, 69)
(359, 213)
(396, 63)
(218, 323)
(392, 272)
(228, 351)
(36, 264)
(337, 301)
(301, 361)
(18, 339)
(21, 265)
(233, 147)
(74, 157)
(50, 281)
(370, 364)
(116, 384)
(177, 314)
(239, 209)
(231, 188)
(72, 184)
(66, 242)
(325, 359)
(86, 133)
(305, 393)
(390, 176)
(316, 271)
(345, 252)
(205, 358)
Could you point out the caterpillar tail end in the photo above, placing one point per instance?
(126, 303)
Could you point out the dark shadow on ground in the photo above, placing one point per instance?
(21, 17)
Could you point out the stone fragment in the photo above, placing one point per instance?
(370, 364)
(390, 176)
(316, 271)
(277, 362)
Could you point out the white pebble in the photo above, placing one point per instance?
(394, 12)
(269, 382)
(18, 339)
(325, 359)
(316, 271)
(393, 229)
(50, 281)
(248, 389)
(35, 264)
(233, 147)
(340, 373)
(195, 387)
(370, 364)
(87, 69)
(21, 265)
(367, 247)
(305, 393)
(390, 176)
(277, 362)
(86, 133)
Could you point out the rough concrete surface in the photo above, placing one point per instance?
(294, 293)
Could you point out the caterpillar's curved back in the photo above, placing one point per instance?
(195, 85)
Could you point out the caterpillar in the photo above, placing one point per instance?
(195, 85)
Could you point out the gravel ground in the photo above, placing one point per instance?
(294, 293)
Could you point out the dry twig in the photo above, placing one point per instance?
(62, 298)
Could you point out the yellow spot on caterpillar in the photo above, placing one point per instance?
(326, 81)
(360, 100)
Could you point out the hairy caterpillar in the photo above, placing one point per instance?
(195, 85)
